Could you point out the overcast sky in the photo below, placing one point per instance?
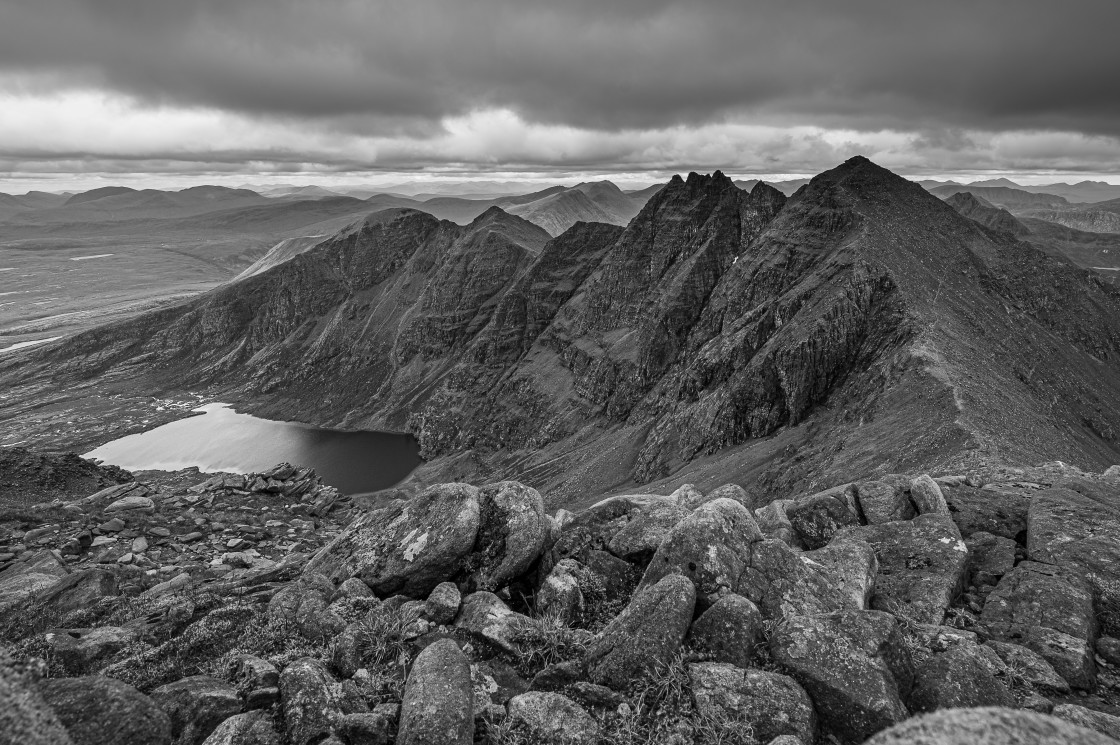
(188, 91)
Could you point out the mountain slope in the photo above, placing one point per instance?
(860, 327)
(1098, 251)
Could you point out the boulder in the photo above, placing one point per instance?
(752, 501)
(922, 565)
(485, 615)
(818, 517)
(988, 726)
(1108, 647)
(712, 547)
(103, 711)
(1106, 724)
(927, 497)
(853, 564)
(855, 666)
(594, 527)
(688, 497)
(443, 603)
(132, 504)
(25, 718)
(30, 576)
(957, 677)
(251, 728)
(196, 706)
(1071, 657)
(992, 557)
(560, 594)
(310, 699)
(1034, 594)
(1081, 532)
(369, 728)
(773, 704)
(256, 679)
(495, 682)
(408, 547)
(512, 531)
(617, 578)
(80, 650)
(553, 719)
(783, 582)
(774, 523)
(728, 630)
(437, 705)
(640, 537)
(883, 502)
(77, 591)
(645, 636)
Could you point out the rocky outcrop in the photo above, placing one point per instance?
(408, 547)
(645, 636)
(854, 666)
(922, 565)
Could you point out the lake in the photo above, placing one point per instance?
(225, 440)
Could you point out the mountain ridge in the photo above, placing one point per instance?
(717, 325)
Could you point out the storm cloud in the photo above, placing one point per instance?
(589, 83)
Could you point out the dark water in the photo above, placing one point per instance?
(224, 440)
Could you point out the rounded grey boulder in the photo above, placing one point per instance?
(645, 636)
(408, 547)
(252, 728)
(773, 704)
(553, 718)
(988, 726)
(196, 705)
(104, 711)
(512, 532)
(438, 708)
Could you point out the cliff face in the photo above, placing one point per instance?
(862, 325)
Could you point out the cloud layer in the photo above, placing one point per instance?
(769, 85)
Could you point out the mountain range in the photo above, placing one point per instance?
(861, 326)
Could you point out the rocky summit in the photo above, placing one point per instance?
(833, 467)
(189, 608)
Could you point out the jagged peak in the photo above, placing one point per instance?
(763, 191)
(862, 179)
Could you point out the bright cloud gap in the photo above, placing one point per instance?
(70, 139)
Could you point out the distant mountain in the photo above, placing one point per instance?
(1081, 192)
(861, 327)
(786, 187)
(121, 202)
(646, 193)
(95, 194)
(1012, 198)
(555, 209)
(300, 192)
